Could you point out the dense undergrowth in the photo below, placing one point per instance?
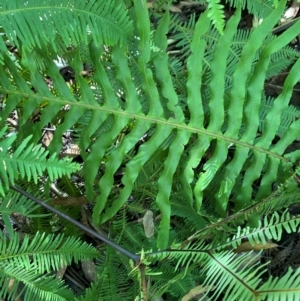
(182, 164)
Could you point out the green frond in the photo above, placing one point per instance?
(12, 203)
(192, 139)
(36, 286)
(289, 115)
(216, 14)
(107, 22)
(275, 288)
(167, 122)
(283, 197)
(272, 227)
(43, 250)
(25, 261)
(29, 161)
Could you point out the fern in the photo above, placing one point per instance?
(207, 146)
(175, 126)
(216, 14)
(27, 261)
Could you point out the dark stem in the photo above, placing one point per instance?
(132, 256)
(142, 268)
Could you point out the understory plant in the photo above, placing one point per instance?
(187, 164)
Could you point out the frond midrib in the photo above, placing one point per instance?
(173, 124)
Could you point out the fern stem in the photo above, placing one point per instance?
(132, 256)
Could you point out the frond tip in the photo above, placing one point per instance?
(216, 14)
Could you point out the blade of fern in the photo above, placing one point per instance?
(235, 110)
(30, 161)
(124, 76)
(255, 87)
(12, 202)
(43, 251)
(216, 106)
(103, 81)
(119, 122)
(225, 269)
(287, 139)
(165, 181)
(93, 161)
(271, 228)
(165, 184)
(162, 74)
(285, 287)
(288, 116)
(19, 93)
(112, 283)
(148, 84)
(273, 118)
(211, 167)
(127, 143)
(273, 122)
(155, 108)
(97, 118)
(43, 94)
(25, 153)
(243, 68)
(194, 68)
(195, 107)
(187, 177)
(218, 69)
(71, 117)
(180, 208)
(107, 180)
(145, 152)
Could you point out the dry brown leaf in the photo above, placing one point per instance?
(89, 270)
(196, 291)
(47, 138)
(246, 247)
(61, 272)
(148, 224)
(291, 12)
(175, 9)
(71, 152)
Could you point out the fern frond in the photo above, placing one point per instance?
(237, 276)
(197, 144)
(216, 14)
(106, 21)
(29, 161)
(272, 227)
(275, 287)
(43, 250)
(26, 261)
(37, 287)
